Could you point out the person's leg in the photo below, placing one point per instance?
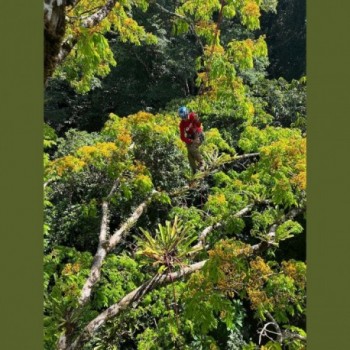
(196, 153)
(191, 158)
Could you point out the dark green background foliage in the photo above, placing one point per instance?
(149, 77)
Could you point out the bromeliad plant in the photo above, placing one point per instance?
(170, 247)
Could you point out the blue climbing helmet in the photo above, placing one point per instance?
(183, 112)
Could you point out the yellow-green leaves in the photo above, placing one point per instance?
(50, 136)
(201, 10)
(250, 13)
(282, 166)
(91, 56)
(95, 58)
(242, 52)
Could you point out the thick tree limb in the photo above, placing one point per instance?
(245, 156)
(134, 298)
(95, 271)
(106, 245)
(203, 235)
(66, 48)
(54, 30)
(118, 234)
(98, 16)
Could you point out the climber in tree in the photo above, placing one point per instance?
(191, 133)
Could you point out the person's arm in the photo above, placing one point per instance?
(182, 134)
(195, 120)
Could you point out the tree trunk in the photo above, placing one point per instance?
(54, 30)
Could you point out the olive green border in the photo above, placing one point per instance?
(328, 58)
(21, 114)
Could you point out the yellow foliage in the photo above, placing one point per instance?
(299, 180)
(251, 108)
(125, 138)
(138, 167)
(232, 277)
(210, 50)
(251, 9)
(67, 163)
(70, 269)
(249, 43)
(257, 297)
(290, 269)
(140, 117)
(260, 267)
(101, 149)
(161, 129)
(289, 153)
(198, 282)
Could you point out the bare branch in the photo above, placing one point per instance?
(130, 222)
(106, 245)
(101, 14)
(203, 235)
(264, 332)
(95, 271)
(245, 156)
(277, 327)
(258, 248)
(160, 7)
(281, 335)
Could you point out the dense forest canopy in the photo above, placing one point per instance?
(139, 252)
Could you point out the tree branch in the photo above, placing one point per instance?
(245, 156)
(282, 335)
(258, 248)
(101, 14)
(130, 222)
(205, 173)
(106, 245)
(95, 271)
(277, 327)
(89, 22)
(203, 235)
(134, 298)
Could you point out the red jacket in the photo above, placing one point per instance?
(188, 128)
